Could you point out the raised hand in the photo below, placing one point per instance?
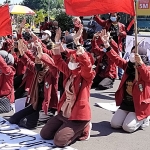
(58, 35)
(138, 59)
(23, 23)
(21, 47)
(78, 35)
(57, 50)
(34, 37)
(39, 49)
(96, 35)
(105, 36)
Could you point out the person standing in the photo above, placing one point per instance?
(117, 32)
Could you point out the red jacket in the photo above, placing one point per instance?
(141, 99)
(28, 76)
(8, 45)
(46, 26)
(107, 24)
(50, 91)
(19, 66)
(111, 68)
(82, 84)
(6, 80)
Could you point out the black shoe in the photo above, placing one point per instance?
(27, 124)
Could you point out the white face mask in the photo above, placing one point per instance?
(113, 19)
(44, 37)
(14, 36)
(73, 66)
(132, 57)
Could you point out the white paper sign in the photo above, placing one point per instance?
(20, 104)
(144, 42)
(14, 138)
(108, 106)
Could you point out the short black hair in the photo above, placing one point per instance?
(27, 36)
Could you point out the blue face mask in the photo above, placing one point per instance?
(113, 19)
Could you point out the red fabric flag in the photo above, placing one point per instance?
(94, 7)
(5, 21)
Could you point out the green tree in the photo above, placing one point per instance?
(7, 2)
(43, 4)
(40, 15)
(65, 22)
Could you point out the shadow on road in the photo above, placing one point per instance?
(104, 129)
(100, 96)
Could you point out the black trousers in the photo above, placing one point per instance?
(27, 118)
(17, 81)
(20, 92)
(102, 83)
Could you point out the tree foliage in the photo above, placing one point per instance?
(7, 2)
(43, 4)
(40, 15)
(65, 22)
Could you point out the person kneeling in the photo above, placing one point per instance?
(73, 119)
(41, 94)
(132, 95)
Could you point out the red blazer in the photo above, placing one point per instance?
(141, 99)
(111, 68)
(82, 83)
(19, 66)
(50, 82)
(107, 24)
(28, 75)
(6, 80)
(8, 45)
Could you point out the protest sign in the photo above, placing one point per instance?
(13, 137)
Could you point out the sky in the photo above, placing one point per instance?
(12, 1)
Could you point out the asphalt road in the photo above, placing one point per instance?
(103, 137)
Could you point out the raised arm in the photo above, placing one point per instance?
(21, 28)
(43, 56)
(84, 60)
(100, 21)
(24, 58)
(110, 52)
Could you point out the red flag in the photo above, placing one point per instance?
(94, 7)
(5, 21)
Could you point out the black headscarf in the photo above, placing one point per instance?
(131, 70)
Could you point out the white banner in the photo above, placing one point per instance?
(108, 106)
(14, 138)
(144, 42)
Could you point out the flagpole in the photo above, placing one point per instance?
(136, 36)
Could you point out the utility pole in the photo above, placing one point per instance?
(48, 10)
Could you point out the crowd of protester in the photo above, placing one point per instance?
(37, 67)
